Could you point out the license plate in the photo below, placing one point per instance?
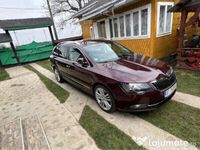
(170, 90)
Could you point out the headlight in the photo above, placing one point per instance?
(170, 71)
(136, 87)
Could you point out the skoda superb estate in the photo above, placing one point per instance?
(117, 77)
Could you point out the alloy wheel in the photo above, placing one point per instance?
(103, 98)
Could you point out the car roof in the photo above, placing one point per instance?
(82, 43)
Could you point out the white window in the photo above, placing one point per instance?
(132, 24)
(144, 22)
(128, 25)
(115, 24)
(121, 26)
(111, 27)
(136, 23)
(164, 18)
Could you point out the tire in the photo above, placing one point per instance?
(58, 75)
(104, 99)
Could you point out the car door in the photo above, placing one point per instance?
(62, 61)
(79, 74)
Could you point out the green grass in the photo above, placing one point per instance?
(105, 135)
(188, 82)
(58, 91)
(4, 75)
(178, 119)
(46, 64)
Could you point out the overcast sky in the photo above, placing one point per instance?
(7, 11)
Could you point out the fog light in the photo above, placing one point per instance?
(138, 106)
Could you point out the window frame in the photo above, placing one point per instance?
(130, 12)
(165, 33)
(140, 36)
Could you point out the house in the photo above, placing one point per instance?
(144, 26)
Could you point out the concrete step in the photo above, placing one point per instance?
(33, 134)
(11, 136)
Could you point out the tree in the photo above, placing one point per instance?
(66, 8)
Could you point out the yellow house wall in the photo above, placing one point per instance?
(86, 28)
(164, 45)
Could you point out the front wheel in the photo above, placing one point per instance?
(104, 99)
(58, 76)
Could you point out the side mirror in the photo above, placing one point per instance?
(82, 62)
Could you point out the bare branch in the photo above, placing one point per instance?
(67, 7)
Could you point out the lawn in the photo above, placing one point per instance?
(105, 135)
(188, 82)
(178, 119)
(4, 75)
(46, 64)
(58, 91)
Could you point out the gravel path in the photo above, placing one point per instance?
(25, 95)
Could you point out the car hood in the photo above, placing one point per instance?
(135, 68)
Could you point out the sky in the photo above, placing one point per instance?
(10, 9)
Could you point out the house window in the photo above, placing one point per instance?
(132, 24)
(128, 25)
(101, 29)
(136, 23)
(144, 20)
(111, 27)
(164, 19)
(115, 23)
(121, 24)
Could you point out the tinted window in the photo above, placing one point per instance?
(64, 51)
(57, 51)
(74, 54)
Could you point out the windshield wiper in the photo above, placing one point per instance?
(125, 55)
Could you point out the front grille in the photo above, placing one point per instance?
(165, 82)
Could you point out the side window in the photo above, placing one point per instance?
(74, 54)
(64, 51)
(57, 51)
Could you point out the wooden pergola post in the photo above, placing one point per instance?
(184, 15)
(13, 48)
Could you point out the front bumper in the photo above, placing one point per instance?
(146, 107)
(138, 103)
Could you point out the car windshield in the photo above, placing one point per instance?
(106, 52)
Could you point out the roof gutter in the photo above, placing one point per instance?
(85, 9)
(111, 5)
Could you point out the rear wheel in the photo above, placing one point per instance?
(58, 76)
(104, 99)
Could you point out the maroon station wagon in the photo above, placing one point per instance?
(117, 77)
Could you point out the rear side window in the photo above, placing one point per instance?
(57, 51)
(61, 51)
